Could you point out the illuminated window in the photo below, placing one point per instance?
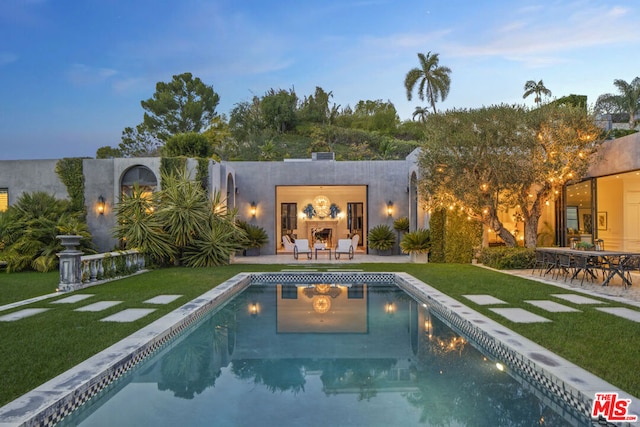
(4, 199)
(142, 176)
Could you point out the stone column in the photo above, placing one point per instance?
(70, 265)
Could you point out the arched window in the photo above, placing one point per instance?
(140, 175)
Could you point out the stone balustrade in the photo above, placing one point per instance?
(78, 271)
(110, 264)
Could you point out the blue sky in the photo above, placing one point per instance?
(73, 72)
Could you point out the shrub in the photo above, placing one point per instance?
(256, 235)
(401, 224)
(381, 238)
(418, 241)
(28, 231)
(505, 258)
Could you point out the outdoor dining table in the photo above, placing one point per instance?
(612, 263)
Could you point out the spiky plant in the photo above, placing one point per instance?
(138, 226)
(418, 241)
(29, 228)
(381, 238)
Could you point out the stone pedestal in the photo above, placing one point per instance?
(70, 265)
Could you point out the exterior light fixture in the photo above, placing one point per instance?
(100, 205)
(390, 208)
(253, 209)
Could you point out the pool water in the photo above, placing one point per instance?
(319, 355)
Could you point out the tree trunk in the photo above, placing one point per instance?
(531, 232)
(494, 223)
(532, 216)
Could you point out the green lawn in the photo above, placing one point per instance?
(38, 348)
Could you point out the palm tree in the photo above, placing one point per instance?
(434, 79)
(421, 112)
(538, 88)
(629, 98)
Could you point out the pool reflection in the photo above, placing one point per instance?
(372, 341)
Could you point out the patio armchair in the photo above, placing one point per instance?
(301, 247)
(287, 243)
(344, 247)
(354, 242)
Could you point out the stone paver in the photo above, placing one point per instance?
(519, 315)
(162, 299)
(21, 314)
(128, 315)
(72, 299)
(484, 299)
(551, 306)
(99, 306)
(622, 312)
(577, 299)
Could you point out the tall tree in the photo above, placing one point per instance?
(279, 109)
(315, 108)
(487, 160)
(531, 87)
(139, 142)
(376, 116)
(434, 79)
(185, 104)
(628, 100)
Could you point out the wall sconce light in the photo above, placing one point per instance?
(100, 205)
(253, 209)
(390, 208)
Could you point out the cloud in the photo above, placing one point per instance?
(543, 35)
(84, 75)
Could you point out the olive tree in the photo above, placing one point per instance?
(484, 161)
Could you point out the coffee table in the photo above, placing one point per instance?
(323, 250)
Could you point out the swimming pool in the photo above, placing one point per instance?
(318, 349)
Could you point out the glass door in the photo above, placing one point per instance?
(355, 220)
(288, 219)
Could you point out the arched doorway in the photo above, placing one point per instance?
(141, 176)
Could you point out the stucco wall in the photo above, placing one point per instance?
(28, 176)
(98, 181)
(616, 156)
(256, 181)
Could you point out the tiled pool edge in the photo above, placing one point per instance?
(574, 385)
(49, 403)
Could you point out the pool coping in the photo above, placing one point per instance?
(49, 403)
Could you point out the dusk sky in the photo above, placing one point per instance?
(73, 72)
